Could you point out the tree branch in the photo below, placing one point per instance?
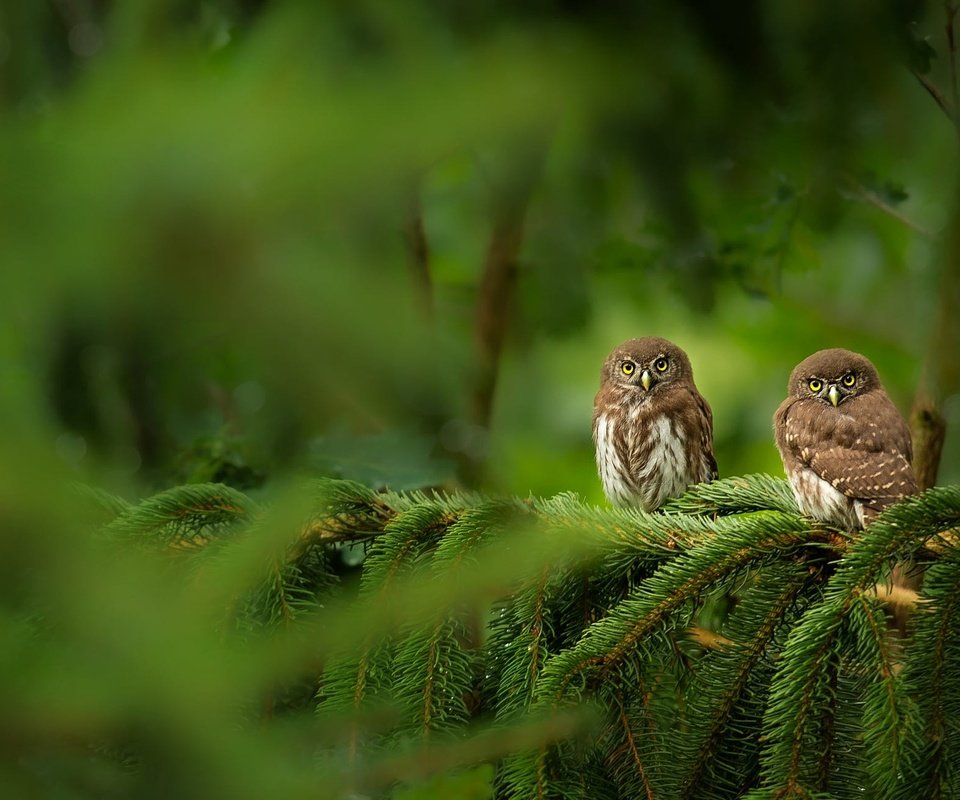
(498, 281)
(876, 201)
(416, 238)
(934, 91)
(493, 310)
(941, 373)
(928, 428)
(951, 12)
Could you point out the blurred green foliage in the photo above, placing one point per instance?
(205, 215)
(209, 217)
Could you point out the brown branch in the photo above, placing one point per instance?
(708, 638)
(928, 427)
(415, 236)
(497, 285)
(951, 11)
(493, 308)
(634, 753)
(876, 201)
(934, 91)
(941, 373)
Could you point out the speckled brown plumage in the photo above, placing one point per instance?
(845, 448)
(652, 441)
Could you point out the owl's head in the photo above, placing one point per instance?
(833, 377)
(647, 365)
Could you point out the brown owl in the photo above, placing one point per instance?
(844, 445)
(652, 429)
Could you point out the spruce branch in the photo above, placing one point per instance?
(435, 665)
(931, 756)
(110, 505)
(734, 545)
(801, 688)
(184, 518)
(887, 714)
(634, 758)
(518, 645)
(479, 744)
(359, 681)
(735, 495)
(729, 687)
(594, 605)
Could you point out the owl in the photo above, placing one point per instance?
(845, 448)
(652, 430)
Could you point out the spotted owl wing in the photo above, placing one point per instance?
(706, 437)
(877, 478)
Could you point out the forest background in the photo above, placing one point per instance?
(248, 242)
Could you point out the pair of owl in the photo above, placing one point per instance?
(845, 448)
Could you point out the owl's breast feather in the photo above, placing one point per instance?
(820, 500)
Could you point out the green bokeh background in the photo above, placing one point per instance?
(205, 217)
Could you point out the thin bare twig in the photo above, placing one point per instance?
(934, 91)
(416, 238)
(951, 12)
(878, 202)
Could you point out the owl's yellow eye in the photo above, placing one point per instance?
(815, 385)
(627, 367)
(661, 364)
(849, 379)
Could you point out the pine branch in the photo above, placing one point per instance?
(185, 518)
(637, 768)
(478, 745)
(735, 545)
(888, 715)
(736, 495)
(518, 647)
(594, 605)
(729, 691)
(358, 681)
(110, 505)
(932, 757)
(802, 685)
(435, 670)
(526, 774)
(346, 512)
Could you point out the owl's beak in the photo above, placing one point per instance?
(646, 379)
(834, 394)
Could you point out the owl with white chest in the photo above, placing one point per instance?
(652, 430)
